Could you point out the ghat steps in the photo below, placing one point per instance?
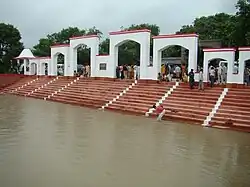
(234, 112)
(187, 105)
(190, 105)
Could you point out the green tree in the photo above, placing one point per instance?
(104, 46)
(242, 34)
(10, 47)
(219, 26)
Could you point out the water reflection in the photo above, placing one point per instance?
(52, 144)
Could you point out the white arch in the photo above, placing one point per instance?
(140, 36)
(92, 41)
(33, 68)
(188, 41)
(223, 53)
(244, 55)
(55, 50)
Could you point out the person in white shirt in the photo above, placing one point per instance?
(177, 71)
(212, 76)
(201, 85)
(220, 75)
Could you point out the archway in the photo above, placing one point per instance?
(83, 53)
(220, 74)
(60, 64)
(247, 72)
(188, 41)
(33, 69)
(129, 57)
(140, 36)
(173, 61)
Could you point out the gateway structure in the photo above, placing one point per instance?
(105, 65)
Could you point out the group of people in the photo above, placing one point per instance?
(128, 72)
(84, 71)
(218, 74)
(169, 72)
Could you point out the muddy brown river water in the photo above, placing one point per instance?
(47, 144)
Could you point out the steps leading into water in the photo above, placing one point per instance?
(234, 112)
(138, 97)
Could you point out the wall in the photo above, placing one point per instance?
(109, 67)
(228, 54)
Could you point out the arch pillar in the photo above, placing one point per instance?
(55, 51)
(140, 36)
(92, 41)
(227, 54)
(188, 41)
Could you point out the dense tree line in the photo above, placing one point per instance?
(232, 30)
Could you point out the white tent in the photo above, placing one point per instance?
(25, 54)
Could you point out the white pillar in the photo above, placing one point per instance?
(72, 65)
(230, 64)
(205, 67)
(113, 52)
(144, 59)
(25, 66)
(242, 64)
(52, 67)
(192, 57)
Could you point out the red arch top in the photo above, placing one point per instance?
(244, 48)
(59, 45)
(129, 32)
(219, 49)
(175, 36)
(42, 57)
(36, 57)
(85, 36)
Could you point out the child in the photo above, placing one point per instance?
(160, 111)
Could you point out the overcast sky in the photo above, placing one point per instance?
(37, 18)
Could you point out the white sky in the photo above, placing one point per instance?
(36, 19)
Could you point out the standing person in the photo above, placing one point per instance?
(135, 71)
(212, 77)
(122, 72)
(224, 73)
(87, 70)
(191, 79)
(201, 85)
(220, 74)
(177, 72)
(117, 72)
(125, 71)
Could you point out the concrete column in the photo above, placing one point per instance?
(192, 57)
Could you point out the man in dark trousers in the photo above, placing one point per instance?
(191, 79)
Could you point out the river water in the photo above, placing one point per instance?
(47, 144)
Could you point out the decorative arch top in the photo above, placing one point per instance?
(59, 45)
(127, 40)
(81, 37)
(219, 50)
(129, 32)
(244, 48)
(175, 36)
